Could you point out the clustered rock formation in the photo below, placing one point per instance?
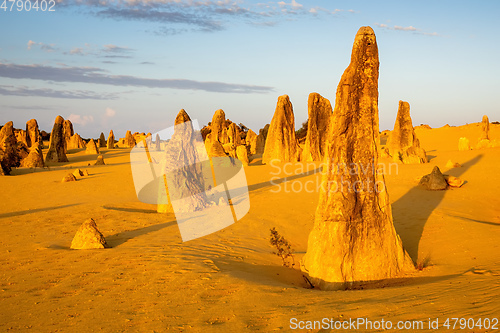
(402, 144)
(129, 140)
(353, 238)
(260, 143)
(57, 147)
(8, 149)
(319, 114)
(281, 144)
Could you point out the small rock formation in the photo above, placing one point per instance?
(76, 142)
(403, 144)
(251, 142)
(158, 143)
(92, 148)
(281, 145)
(88, 236)
(78, 173)
(218, 127)
(453, 181)
(129, 140)
(463, 144)
(451, 164)
(8, 149)
(33, 133)
(102, 141)
(353, 238)
(100, 160)
(233, 133)
(57, 147)
(485, 126)
(185, 179)
(242, 154)
(68, 178)
(67, 133)
(111, 140)
(434, 181)
(261, 140)
(34, 158)
(319, 112)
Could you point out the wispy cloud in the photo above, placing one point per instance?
(408, 28)
(46, 92)
(43, 46)
(177, 16)
(81, 120)
(94, 75)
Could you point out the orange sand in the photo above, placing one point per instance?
(149, 281)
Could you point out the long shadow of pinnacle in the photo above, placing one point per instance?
(411, 233)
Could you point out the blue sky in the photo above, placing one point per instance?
(132, 65)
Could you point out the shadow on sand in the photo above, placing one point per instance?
(31, 211)
(410, 228)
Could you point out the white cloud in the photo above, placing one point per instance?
(110, 112)
(409, 28)
(76, 50)
(30, 44)
(80, 120)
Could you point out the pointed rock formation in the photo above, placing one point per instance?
(8, 148)
(102, 141)
(88, 236)
(353, 237)
(218, 127)
(403, 144)
(69, 178)
(57, 149)
(281, 145)
(435, 181)
(251, 141)
(33, 133)
(67, 133)
(92, 148)
(183, 175)
(233, 133)
(111, 140)
(463, 144)
(76, 142)
(158, 143)
(319, 112)
(485, 127)
(35, 157)
(129, 140)
(261, 140)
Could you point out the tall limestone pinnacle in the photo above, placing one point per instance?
(57, 151)
(319, 114)
(403, 144)
(281, 144)
(353, 238)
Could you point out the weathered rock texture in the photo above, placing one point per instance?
(20, 136)
(261, 140)
(214, 148)
(102, 141)
(92, 148)
(242, 154)
(184, 178)
(129, 140)
(158, 143)
(111, 140)
(353, 238)
(100, 160)
(281, 145)
(8, 149)
(319, 112)
(57, 147)
(218, 127)
(463, 144)
(67, 133)
(251, 142)
(403, 144)
(33, 133)
(34, 158)
(435, 181)
(88, 236)
(485, 127)
(76, 142)
(233, 133)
